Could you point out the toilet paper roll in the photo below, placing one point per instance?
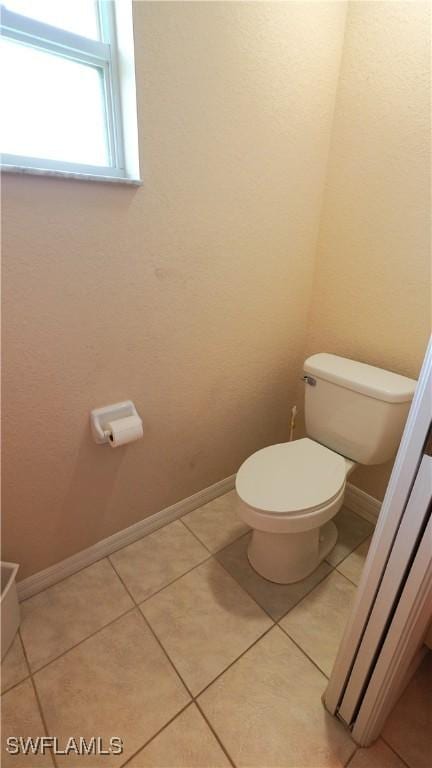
(125, 430)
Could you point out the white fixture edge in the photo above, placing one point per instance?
(59, 571)
(362, 503)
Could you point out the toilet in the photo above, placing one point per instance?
(289, 493)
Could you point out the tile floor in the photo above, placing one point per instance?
(178, 647)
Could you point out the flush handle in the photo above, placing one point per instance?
(309, 380)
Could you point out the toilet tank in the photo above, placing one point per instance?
(355, 409)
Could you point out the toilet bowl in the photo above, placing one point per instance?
(288, 494)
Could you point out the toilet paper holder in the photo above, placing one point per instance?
(100, 418)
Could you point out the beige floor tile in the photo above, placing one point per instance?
(149, 564)
(116, 683)
(352, 531)
(186, 743)
(352, 566)
(217, 523)
(205, 621)
(408, 729)
(377, 756)
(276, 599)
(318, 622)
(20, 717)
(267, 710)
(63, 615)
(14, 666)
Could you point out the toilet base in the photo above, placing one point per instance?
(285, 558)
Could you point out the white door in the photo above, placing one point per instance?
(383, 633)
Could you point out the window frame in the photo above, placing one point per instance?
(102, 54)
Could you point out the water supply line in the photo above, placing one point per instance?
(293, 420)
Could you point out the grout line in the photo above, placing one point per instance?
(230, 544)
(143, 746)
(15, 685)
(354, 549)
(64, 578)
(222, 746)
(324, 576)
(176, 672)
(395, 752)
(303, 651)
(26, 677)
(212, 552)
(38, 703)
(352, 756)
(189, 704)
(346, 578)
(83, 640)
(306, 594)
(194, 698)
(349, 555)
(189, 530)
(147, 623)
(252, 597)
(210, 556)
(168, 584)
(24, 651)
(380, 738)
(44, 722)
(231, 664)
(276, 621)
(234, 541)
(32, 672)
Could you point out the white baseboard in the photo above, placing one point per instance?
(360, 502)
(355, 499)
(46, 578)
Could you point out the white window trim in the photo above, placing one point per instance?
(104, 55)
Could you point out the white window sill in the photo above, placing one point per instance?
(27, 171)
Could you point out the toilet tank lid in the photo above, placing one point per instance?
(360, 377)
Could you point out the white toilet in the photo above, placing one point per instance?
(289, 493)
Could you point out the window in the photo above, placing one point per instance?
(62, 101)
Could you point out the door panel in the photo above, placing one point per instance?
(396, 571)
(390, 519)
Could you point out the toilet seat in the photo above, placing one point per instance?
(292, 479)
(288, 494)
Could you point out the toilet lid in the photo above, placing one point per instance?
(291, 477)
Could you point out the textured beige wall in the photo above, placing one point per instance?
(189, 295)
(371, 297)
